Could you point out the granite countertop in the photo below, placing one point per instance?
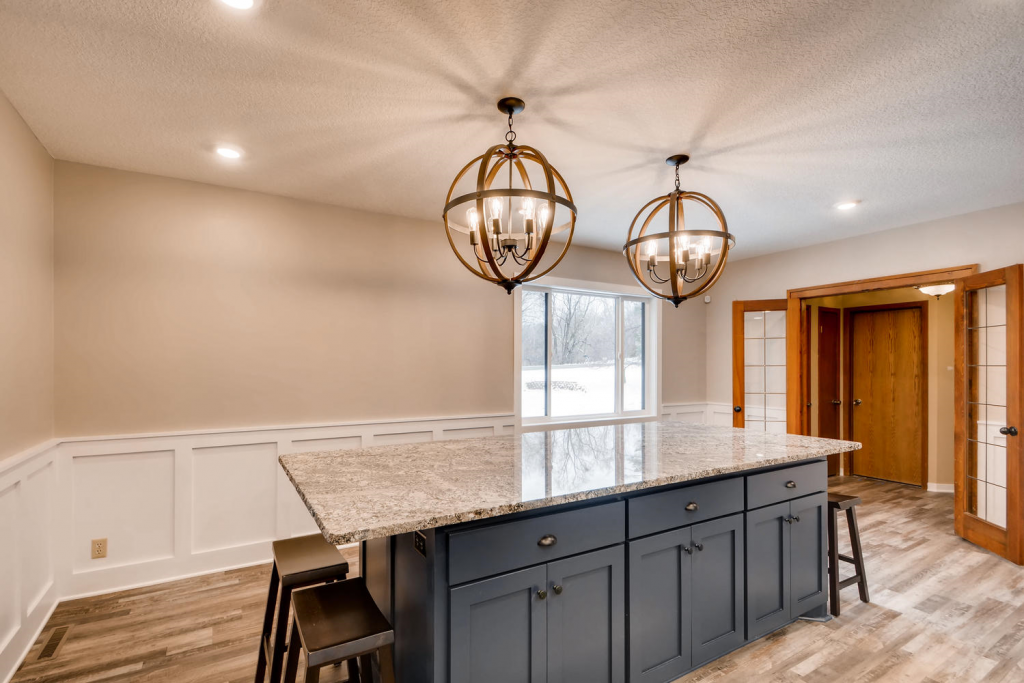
(356, 495)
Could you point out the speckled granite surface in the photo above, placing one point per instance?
(356, 495)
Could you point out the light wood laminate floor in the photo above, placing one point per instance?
(942, 610)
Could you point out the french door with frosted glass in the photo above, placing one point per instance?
(989, 459)
(759, 364)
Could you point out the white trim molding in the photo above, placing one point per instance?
(719, 414)
(934, 487)
(170, 505)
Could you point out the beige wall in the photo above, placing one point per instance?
(991, 238)
(188, 306)
(940, 370)
(26, 286)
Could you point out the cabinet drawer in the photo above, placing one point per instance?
(503, 547)
(792, 482)
(671, 509)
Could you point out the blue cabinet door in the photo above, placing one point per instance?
(499, 630)
(768, 569)
(659, 607)
(809, 547)
(587, 618)
(717, 588)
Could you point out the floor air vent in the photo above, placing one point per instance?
(56, 639)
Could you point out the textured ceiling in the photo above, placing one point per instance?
(914, 106)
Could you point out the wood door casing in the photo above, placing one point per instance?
(828, 380)
(887, 370)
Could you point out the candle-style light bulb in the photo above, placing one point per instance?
(473, 218)
(542, 213)
(496, 215)
(528, 213)
(652, 254)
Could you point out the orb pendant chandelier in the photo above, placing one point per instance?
(683, 262)
(501, 227)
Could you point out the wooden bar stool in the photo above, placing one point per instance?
(837, 502)
(298, 563)
(339, 622)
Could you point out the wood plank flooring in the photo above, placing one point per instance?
(942, 611)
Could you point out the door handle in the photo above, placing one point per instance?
(857, 401)
(836, 402)
(737, 409)
(1008, 431)
(547, 541)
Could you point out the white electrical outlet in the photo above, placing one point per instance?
(99, 548)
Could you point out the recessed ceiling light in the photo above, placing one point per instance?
(229, 152)
(846, 206)
(239, 4)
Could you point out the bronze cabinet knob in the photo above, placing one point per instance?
(790, 484)
(542, 594)
(691, 506)
(557, 589)
(547, 541)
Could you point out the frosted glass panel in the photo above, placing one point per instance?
(986, 409)
(764, 360)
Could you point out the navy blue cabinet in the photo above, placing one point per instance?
(786, 562)
(560, 622)
(686, 598)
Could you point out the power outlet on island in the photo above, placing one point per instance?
(99, 548)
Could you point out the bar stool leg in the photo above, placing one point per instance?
(833, 562)
(387, 664)
(284, 608)
(858, 554)
(312, 674)
(268, 623)
(293, 657)
(365, 669)
(353, 670)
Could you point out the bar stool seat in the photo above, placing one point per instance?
(836, 503)
(298, 562)
(339, 622)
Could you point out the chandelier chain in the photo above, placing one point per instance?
(677, 177)
(510, 136)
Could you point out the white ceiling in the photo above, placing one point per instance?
(914, 106)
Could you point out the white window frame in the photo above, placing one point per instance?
(652, 353)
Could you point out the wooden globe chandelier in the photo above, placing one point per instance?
(507, 222)
(684, 262)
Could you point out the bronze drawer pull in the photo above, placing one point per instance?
(790, 484)
(691, 507)
(542, 594)
(547, 541)
(557, 589)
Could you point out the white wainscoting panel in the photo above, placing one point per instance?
(234, 496)
(719, 414)
(28, 546)
(127, 498)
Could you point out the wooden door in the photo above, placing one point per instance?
(887, 407)
(808, 547)
(988, 387)
(498, 629)
(759, 364)
(659, 607)
(587, 618)
(768, 569)
(829, 401)
(717, 588)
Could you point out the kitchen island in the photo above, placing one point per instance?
(632, 552)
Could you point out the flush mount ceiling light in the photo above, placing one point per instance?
(507, 222)
(688, 261)
(846, 206)
(239, 4)
(229, 152)
(937, 290)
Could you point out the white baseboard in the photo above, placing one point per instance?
(939, 488)
(171, 506)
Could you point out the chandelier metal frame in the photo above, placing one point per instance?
(493, 246)
(684, 267)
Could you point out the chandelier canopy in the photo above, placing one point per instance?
(501, 227)
(683, 262)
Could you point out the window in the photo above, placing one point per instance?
(585, 354)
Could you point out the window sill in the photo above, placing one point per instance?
(532, 425)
